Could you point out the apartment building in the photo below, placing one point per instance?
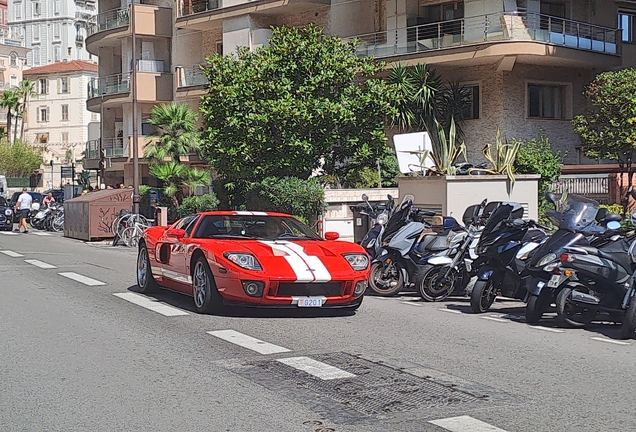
(12, 62)
(57, 117)
(54, 30)
(526, 62)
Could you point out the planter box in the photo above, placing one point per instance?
(450, 195)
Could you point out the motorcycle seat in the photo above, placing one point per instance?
(433, 243)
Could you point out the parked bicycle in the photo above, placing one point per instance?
(128, 228)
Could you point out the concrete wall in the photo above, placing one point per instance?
(150, 20)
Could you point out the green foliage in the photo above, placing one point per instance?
(196, 204)
(613, 208)
(176, 177)
(304, 102)
(84, 179)
(19, 159)
(302, 198)
(360, 176)
(608, 129)
(25, 91)
(178, 136)
(536, 157)
(445, 149)
(10, 100)
(502, 156)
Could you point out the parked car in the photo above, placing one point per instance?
(6, 215)
(252, 259)
(58, 194)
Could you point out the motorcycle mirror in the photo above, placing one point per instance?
(551, 197)
(613, 225)
(365, 197)
(389, 197)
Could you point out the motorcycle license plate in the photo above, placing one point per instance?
(556, 280)
(310, 302)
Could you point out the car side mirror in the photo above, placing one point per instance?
(175, 232)
(332, 235)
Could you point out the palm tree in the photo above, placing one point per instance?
(178, 132)
(196, 177)
(25, 91)
(171, 174)
(11, 102)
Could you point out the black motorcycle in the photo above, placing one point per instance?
(580, 222)
(379, 214)
(504, 246)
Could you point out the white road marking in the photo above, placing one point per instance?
(493, 319)
(412, 303)
(41, 233)
(451, 311)
(610, 341)
(465, 424)
(553, 330)
(83, 279)
(151, 304)
(11, 254)
(315, 368)
(410, 298)
(9, 233)
(40, 264)
(248, 342)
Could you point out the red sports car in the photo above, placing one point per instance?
(252, 259)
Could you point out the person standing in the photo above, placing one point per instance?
(22, 208)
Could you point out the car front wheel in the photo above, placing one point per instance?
(145, 280)
(206, 297)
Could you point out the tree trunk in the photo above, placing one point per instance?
(15, 129)
(22, 125)
(9, 125)
(630, 178)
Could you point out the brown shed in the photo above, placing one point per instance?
(90, 217)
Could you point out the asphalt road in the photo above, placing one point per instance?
(81, 351)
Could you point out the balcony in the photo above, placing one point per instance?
(109, 85)
(116, 148)
(108, 20)
(190, 77)
(190, 7)
(151, 66)
(489, 29)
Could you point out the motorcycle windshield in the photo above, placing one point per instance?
(576, 213)
(398, 217)
(492, 231)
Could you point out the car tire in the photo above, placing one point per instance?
(145, 280)
(483, 296)
(206, 297)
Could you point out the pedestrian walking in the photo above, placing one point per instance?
(22, 208)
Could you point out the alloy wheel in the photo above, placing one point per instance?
(200, 284)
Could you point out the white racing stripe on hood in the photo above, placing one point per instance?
(308, 268)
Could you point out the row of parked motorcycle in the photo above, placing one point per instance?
(585, 263)
(47, 217)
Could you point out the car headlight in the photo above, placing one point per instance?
(245, 260)
(382, 219)
(8, 212)
(547, 259)
(357, 261)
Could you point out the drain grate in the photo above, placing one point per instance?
(376, 389)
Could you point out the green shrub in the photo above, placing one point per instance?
(302, 198)
(196, 204)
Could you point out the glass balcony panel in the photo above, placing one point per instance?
(108, 20)
(191, 76)
(109, 85)
(190, 7)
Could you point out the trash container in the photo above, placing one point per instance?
(360, 222)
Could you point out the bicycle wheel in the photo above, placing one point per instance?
(130, 236)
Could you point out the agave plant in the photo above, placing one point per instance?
(445, 149)
(502, 156)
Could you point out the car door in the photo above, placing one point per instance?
(167, 251)
(176, 267)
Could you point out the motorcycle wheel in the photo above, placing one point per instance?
(537, 304)
(629, 321)
(437, 284)
(483, 296)
(564, 310)
(386, 280)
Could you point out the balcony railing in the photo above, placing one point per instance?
(156, 66)
(116, 147)
(109, 85)
(191, 76)
(92, 150)
(108, 20)
(489, 28)
(190, 7)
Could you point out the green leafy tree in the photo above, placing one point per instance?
(19, 159)
(176, 177)
(304, 102)
(10, 101)
(178, 137)
(24, 92)
(196, 204)
(608, 129)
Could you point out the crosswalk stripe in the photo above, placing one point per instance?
(151, 304)
(451, 311)
(615, 342)
(248, 342)
(493, 319)
(11, 254)
(82, 279)
(40, 264)
(315, 368)
(553, 330)
(465, 424)
(41, 233)
(9, 233)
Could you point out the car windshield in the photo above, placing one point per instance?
(253, 227)
(575, 213)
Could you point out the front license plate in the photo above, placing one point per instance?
(310, 302)
(555, 281)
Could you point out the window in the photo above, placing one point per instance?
(36, 9)
(63, 85)
(56, 30)
(43, 83)
(36, 32)
(14, 80)
(43, 114)
(56, 7)
(36, 56)
(17, 8)
(65, 112)
(472, 110)
(64, 137)
(219, 48)
(42, 138)
(13, 59)
(57, 54)
(546, 101)
(627, 22)
(94, 116)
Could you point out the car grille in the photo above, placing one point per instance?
(329, 289)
